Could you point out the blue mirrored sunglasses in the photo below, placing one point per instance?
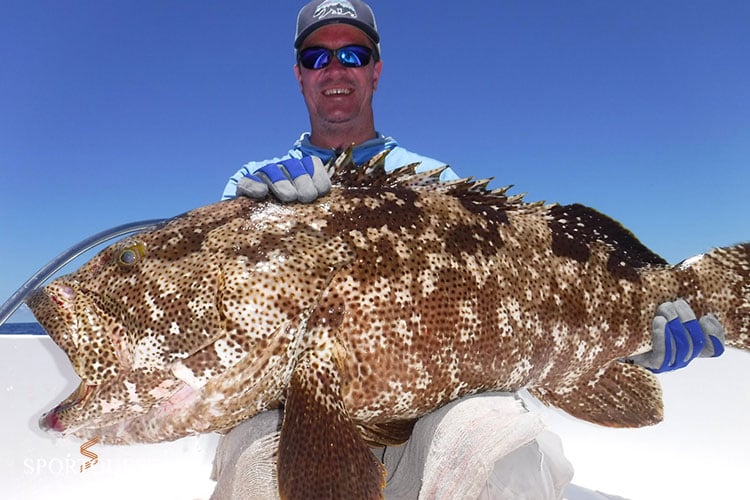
(351, 56)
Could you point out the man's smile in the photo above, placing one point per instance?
(337, 91)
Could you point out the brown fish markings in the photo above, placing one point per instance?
(382, 301)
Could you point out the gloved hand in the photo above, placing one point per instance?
(678, 338)
(290, 180)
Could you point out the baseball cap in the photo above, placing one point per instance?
(320, 13)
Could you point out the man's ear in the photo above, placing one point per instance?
(298, 75)
(376, 74)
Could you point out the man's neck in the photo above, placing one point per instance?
(340, 139)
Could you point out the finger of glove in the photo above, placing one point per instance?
(661, 330)
(301, 181)
(252, 187)
(306, 192)
(697, 336)
(682, 342)
(715, 333)
(279, 181)
(683, 310)
(320, 177)
(668, 310)
(301, 173)
(655, 359)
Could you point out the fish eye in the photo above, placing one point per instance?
(131, 254)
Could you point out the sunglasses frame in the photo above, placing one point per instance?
(371, 56)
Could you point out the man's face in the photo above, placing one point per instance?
(337, 94)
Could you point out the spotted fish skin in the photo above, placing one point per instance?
(365, 310)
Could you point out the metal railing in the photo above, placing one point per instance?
(46, 272)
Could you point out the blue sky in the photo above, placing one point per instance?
(112, 112)
(115, 111)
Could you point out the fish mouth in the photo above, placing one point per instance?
(54, 308)
(56, 294)
(52, 422)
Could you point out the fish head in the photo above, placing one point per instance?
(124, 318)
(92, 339)
(191, 326)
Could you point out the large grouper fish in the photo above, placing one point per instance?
(365, 310)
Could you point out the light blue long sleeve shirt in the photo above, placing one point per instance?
(397, 157)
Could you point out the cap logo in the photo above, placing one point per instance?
(335, 8)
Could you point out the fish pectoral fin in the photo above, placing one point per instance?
(619, 395)
(321, 453)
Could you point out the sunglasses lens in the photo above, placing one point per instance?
(354, 56)
(315, 58)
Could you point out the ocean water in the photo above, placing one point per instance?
(22, 329)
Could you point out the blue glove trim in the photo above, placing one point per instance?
(307, 162)
(698, 337)
(254, 178)
(668, 350)
(718, 346)
(681, 344)
(294, 167)
(677, 346)
(273, 171)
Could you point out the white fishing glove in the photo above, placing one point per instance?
(678, 338)
(290, 180)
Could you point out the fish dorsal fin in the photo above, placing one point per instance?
(373, 174)
(619, 395)
(575, 227)
(321, 453)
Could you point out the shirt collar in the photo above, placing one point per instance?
(361, 152)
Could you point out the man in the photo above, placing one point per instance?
(338, 95)
(338, 69)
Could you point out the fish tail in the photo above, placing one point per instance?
(723, 275)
